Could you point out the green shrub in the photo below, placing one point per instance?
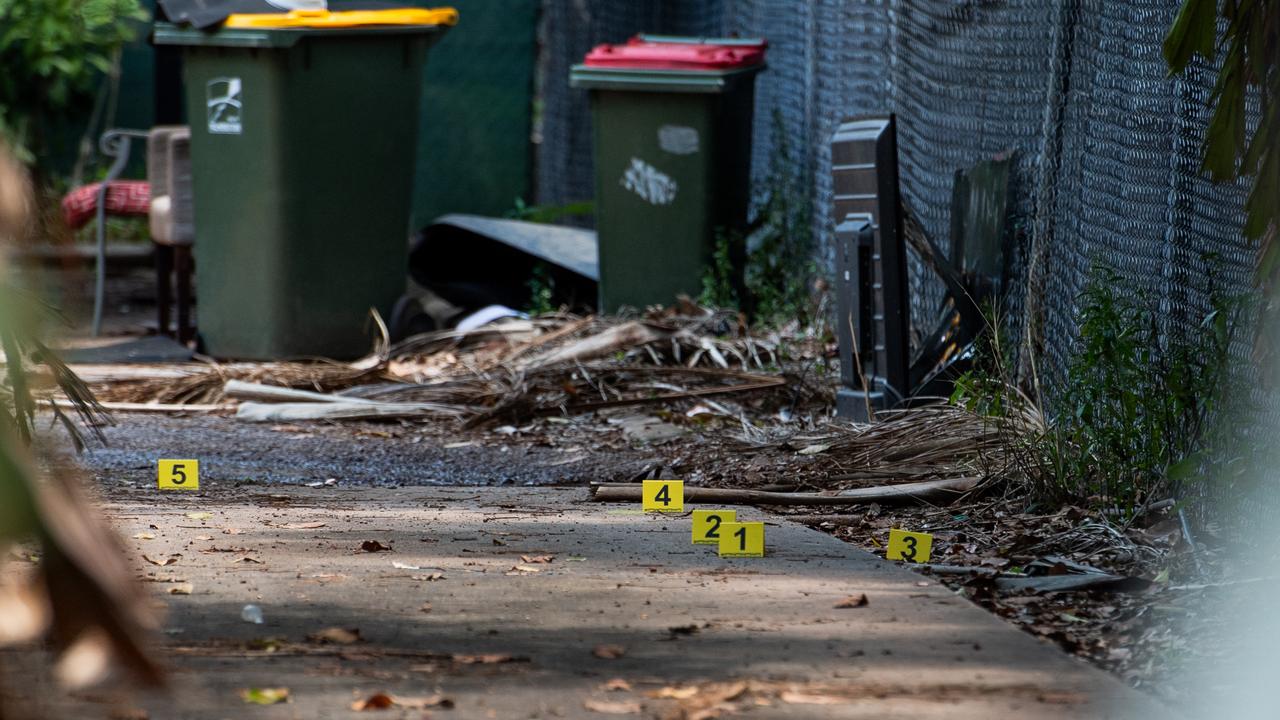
(1137, 418)
(53, 52)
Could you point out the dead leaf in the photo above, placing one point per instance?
(376, 701)
(523, 569)
(609, 652)
(199, 515)
(679, 630)
(813, 449)
(604, 707)
(265, 696)
(144, 536)
(204, 537)
(247, 559)
(336, 636)
(182, 589)
(384, 701)
(616, 684)
(373, 546)
(672, 692)
(486, 659)
(163, 561)
(422, 703)
(801, 698)
(426, 608)
(301, 525)
(853, 601)
(428, 578)
(1052, 697)
(537, 559)
(232, 531)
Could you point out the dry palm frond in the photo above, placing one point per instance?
(501, 365)
(84, 596)
(932, 442)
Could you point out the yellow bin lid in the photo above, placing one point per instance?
(344, 19)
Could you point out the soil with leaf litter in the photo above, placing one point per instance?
(695, 394)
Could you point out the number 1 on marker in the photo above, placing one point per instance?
(178, 474)
(662, 495)
(742, 539)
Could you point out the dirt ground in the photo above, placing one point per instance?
(492, 601)
(1147, 639)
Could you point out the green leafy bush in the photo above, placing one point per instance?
(53, 52)
(778, 248)
(1139, 418)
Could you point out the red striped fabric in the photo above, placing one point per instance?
(124, 197)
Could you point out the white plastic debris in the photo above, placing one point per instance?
(251, 614)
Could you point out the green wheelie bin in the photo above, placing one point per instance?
(303, 134)
(672, 119)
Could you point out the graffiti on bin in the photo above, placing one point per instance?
(651, 184)
(678, 140)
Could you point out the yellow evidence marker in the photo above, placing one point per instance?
(742, 539)
(706, 525)
(662, 496)
(909, 546)
(178, 474)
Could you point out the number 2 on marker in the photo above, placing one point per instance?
(662, 495)
(707, 524)
(178, 474)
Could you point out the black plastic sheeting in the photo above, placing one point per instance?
(474, 261)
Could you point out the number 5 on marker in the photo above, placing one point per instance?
(662, 495)
(707, 523)
(742, 539)
(909, 546)
(178, 474)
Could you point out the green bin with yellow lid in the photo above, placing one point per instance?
(303, 133)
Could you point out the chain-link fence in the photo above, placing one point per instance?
(1106, 143)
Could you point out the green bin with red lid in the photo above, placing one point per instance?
(672, 119)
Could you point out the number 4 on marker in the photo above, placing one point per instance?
(662, 496)
(178, 474)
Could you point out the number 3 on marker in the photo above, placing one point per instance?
(706, 525)
(178, 474)
(909, 546)
(662, 495)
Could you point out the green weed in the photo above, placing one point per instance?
(1137, 419)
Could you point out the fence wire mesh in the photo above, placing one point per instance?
(1106, 143)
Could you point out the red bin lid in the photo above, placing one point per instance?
(641, 53)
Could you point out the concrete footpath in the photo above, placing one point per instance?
(534, 603)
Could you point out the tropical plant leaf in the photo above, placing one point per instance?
(1193, 32)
